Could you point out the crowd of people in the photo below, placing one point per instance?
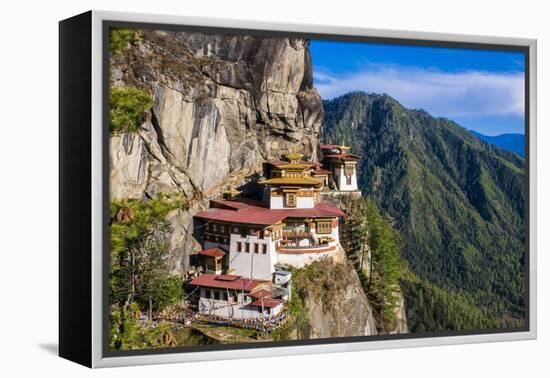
(183, 314)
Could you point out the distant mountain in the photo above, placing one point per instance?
(509, 142)
(457, 202)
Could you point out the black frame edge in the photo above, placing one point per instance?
(75, 215)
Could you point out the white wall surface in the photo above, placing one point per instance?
(250, 264)
(28, 273)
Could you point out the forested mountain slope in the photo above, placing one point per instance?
(458, 203)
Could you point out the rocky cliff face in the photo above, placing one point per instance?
(348, 313)
(222, 105)
(333, 301)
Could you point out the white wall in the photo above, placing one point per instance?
(299, 260)
(341, 179)
(278, 202)
(225, 309)
(335, 233)
(250, 264)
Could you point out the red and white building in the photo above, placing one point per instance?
(246, 241)
(235, 297)
(342, 164)
(290, 227)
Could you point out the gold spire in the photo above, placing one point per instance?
(231, 193)
(294, 157)
(343, 147)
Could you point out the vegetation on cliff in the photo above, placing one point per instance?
(327, 301)
(457, 202)
(127, 108)
(374, 248)
(139, 279)
(120, 38)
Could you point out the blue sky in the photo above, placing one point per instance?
(480, 90)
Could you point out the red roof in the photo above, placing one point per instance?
(248, 215)
(285, 162)
(226, 281)
(241, 212)
(342, 156)
(268, 303)
(329, 146)
(212, 252)
(320, 171)
(261, 294)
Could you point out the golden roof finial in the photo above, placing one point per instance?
(294, 157)
(343, 146)
(231, 193)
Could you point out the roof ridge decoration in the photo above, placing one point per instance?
(294, 156)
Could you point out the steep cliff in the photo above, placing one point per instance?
(334, 302)
(221, 105)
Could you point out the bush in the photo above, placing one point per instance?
(127, 333)
(127, 108)
(119, 39)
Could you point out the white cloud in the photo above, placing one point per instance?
(448, 94)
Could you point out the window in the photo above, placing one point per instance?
(243, 232)
(264, 248)
(222, 228)
(212, 294)
(256, 247)
(348, 180)
(214, 227)
(261, 235)
(223, 296)
(291, 199)
(235, 230)
(239, 247)
(247, 247)
(324, 227)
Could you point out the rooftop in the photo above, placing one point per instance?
(291, 181)
(263, 293)
(212, 252)
(343, 156)
(268, 303)
(321, 171)
(226, 281)
(239, 211)
(279, 163)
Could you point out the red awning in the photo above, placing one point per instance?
(226, 281)
(268, 303)
(261, 294)
(212, 252)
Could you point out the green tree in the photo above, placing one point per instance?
(374, 249)
(119, 39)
(139, 277)
(139, 244)
(385, 265)
(127, 108)
(127, 333)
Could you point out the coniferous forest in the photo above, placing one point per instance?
(457, 202)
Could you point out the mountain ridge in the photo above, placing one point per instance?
(458, 203)
(513, 142)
